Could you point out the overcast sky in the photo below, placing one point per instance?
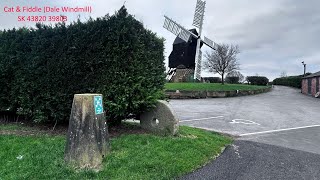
(273, 36)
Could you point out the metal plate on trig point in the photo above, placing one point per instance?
(98, 106)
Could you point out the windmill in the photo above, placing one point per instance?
(186, 36)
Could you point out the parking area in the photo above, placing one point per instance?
(282, 117)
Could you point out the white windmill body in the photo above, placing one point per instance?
(184, 34)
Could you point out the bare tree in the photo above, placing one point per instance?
(283, 74)
(222, 60)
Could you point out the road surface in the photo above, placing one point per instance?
(278, 134)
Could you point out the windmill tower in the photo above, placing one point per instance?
(189, 36)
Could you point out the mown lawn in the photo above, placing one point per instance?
(143, 156)
(210, 87)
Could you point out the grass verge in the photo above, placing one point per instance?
(210, 87)
(142, 156)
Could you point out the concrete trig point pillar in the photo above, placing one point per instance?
(87, 139)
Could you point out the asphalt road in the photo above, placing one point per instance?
(280, 109)
(278, 134)
(247, 160)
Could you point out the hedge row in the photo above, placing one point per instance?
(292, 81)
(42, 68)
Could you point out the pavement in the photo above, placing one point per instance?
(277, 134)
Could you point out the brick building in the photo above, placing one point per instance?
(311, 84)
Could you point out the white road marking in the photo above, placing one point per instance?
(204, 128)
(201, 119)
(278, 130)
(243, 121)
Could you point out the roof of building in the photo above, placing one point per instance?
(317, 74)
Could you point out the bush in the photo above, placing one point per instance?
(234, 77)
(212, 79)
(232, 80)
(258, 80)
(41, 69)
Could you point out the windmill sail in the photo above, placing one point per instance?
(176, 29)
(199, 13)
(198, 66)
(198, 22)
(210, 43)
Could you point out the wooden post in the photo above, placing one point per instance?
(87, 139)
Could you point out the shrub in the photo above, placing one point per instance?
(232, 80)
(212, 79)
(258, 80)
(41, 69)
(234, 77)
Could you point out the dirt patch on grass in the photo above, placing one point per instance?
(29, 129)
(126, 128)
(23, 129)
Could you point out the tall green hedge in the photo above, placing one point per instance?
(42, 68)
(292, 81)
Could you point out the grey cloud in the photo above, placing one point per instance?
(283, 35)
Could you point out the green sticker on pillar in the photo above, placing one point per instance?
(98, 106)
